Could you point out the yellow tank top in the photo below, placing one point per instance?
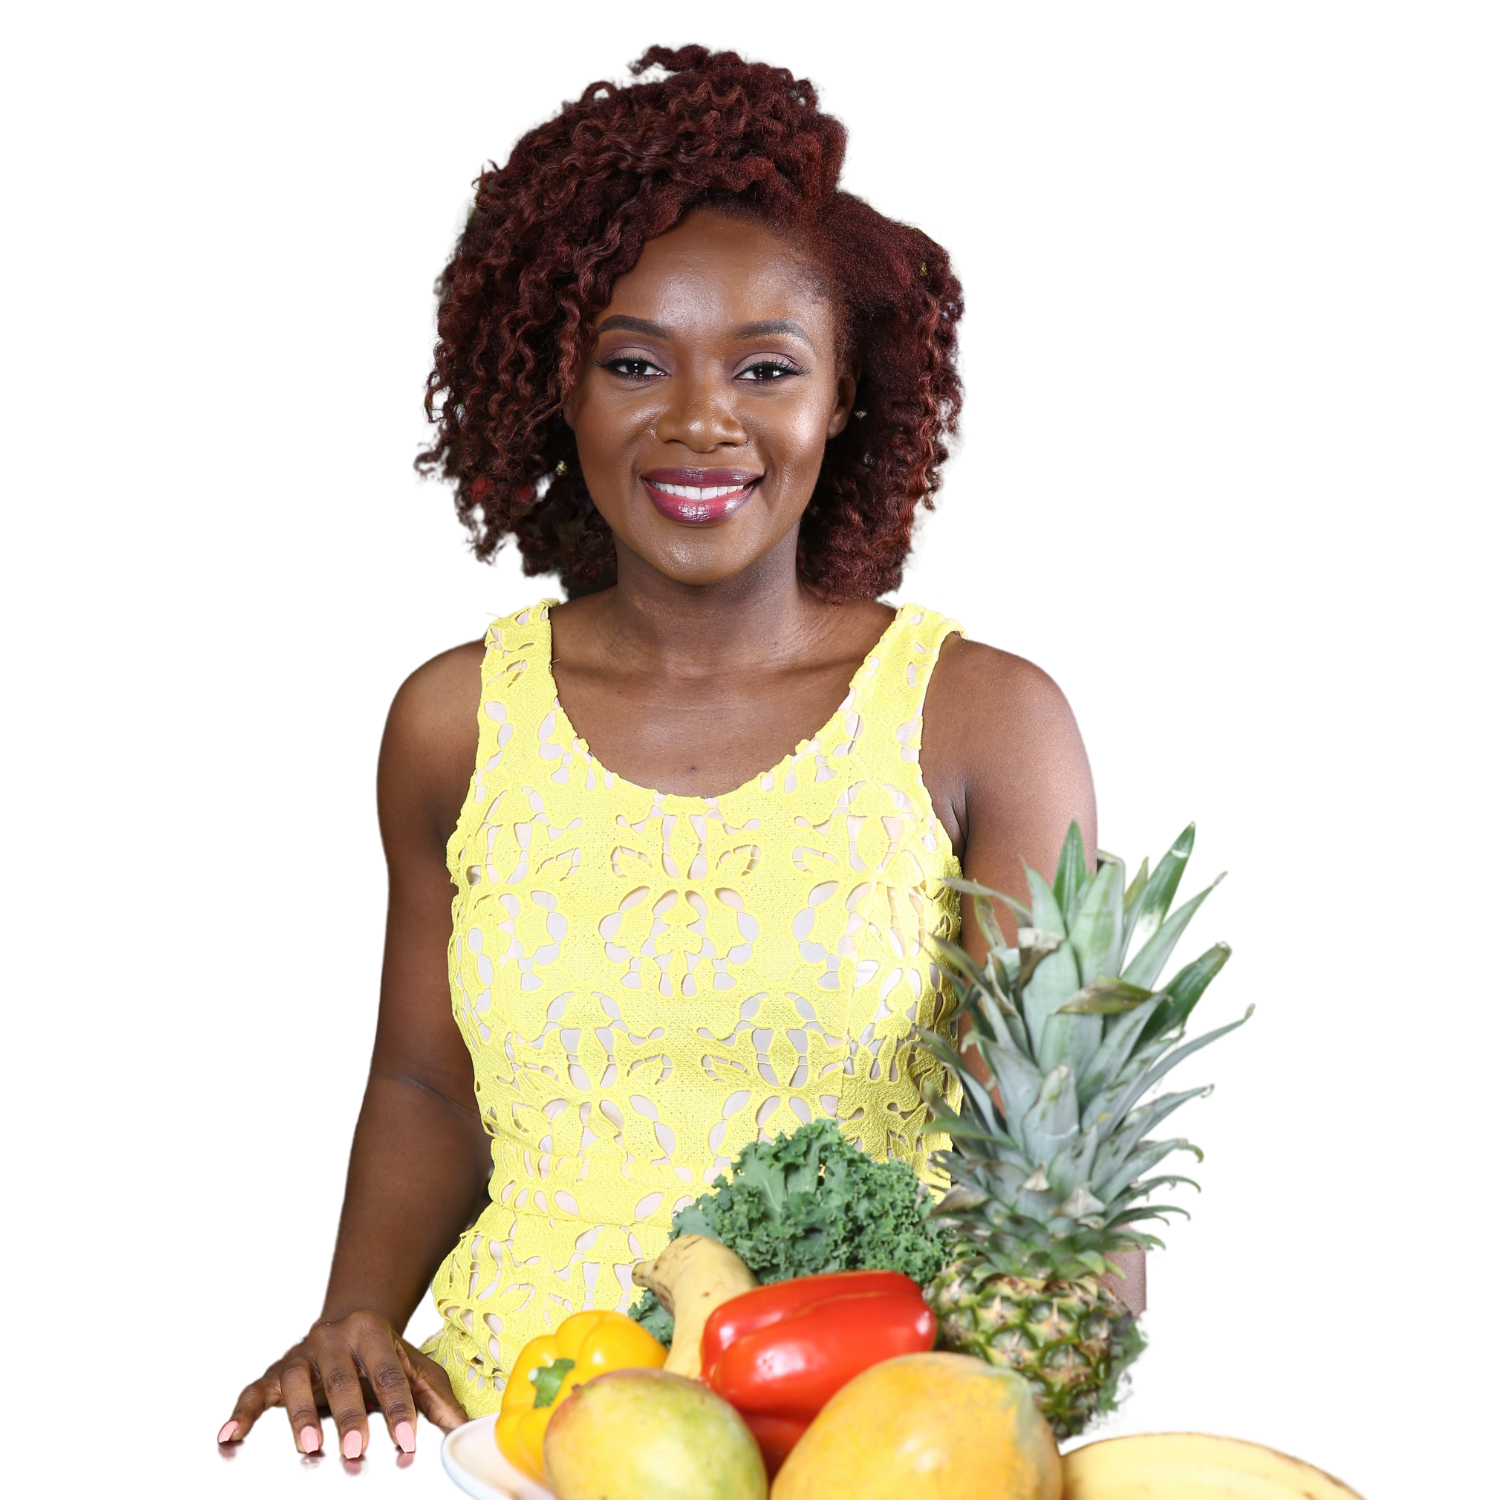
(647, 982)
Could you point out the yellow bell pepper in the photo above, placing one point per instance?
(585, 1344)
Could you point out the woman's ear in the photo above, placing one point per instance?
(848, 386)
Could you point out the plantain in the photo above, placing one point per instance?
(691, 1277)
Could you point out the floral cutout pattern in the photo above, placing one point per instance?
(647, 982)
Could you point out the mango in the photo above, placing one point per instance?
(650, 1435)
(927, 1427)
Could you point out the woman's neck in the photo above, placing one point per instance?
(752, 620)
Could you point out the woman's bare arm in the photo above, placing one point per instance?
(420, 1158)
(1007, 772)
(1006, 769)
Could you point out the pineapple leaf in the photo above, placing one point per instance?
(974, 1090)
(1161, 886)
(1150, 1185)
(1170, 1061)
(1069, 1039)
(985, 911)
(972, 1130)
(960, 1197)
(957, 960)
(1185, 990)
(973, 888)
(1120, 1033)
(999, 971)
(1134, 1126)
(1103, 996)
(1034, 946)
(1142, 1159)
(1094, 1261)
(1016, 1076)
(1153, 1211)
(1137, 1238)
(981, 1104)
(992, 1009)
(1073, 1166)
(1072, 870)
(1135, 893)
(1045, 912)
(1152, 959)
(1096, 922)
(989, 923)
(1052, 1121)
(1053, 982)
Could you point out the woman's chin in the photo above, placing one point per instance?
(701, 556)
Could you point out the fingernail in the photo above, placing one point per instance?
(351, 1445)
(228, 1430)
(311, 1438)
(406, 1438)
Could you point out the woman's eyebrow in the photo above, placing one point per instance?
(758, 330)
(773, 325)
(634, 325)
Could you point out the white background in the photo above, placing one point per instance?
(1229, 475)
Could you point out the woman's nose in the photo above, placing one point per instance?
(700, 412)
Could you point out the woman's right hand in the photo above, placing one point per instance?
(348, 1365)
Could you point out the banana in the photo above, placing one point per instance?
(691, 1277)
(1192, 1466)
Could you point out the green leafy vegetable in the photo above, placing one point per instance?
(807, 1203)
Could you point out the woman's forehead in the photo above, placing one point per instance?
(728, 272)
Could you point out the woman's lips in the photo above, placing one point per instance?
(698, 497)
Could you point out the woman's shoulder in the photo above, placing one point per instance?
(997, 731)
(441, 697)
(974, 680)
(431, 740)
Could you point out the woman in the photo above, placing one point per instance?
(703, 809)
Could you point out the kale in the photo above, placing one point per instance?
(810, 1202)
(653, 1317)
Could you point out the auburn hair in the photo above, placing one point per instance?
(569, 213)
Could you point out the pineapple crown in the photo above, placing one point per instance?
(1074, 1031)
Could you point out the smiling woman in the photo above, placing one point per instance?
(698, 819)
(573, 211)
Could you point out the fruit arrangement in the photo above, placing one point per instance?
(784, 1344)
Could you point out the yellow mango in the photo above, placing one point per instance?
(649, 1435)
(927, 1427)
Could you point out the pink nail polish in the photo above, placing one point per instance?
(352, 1445)
(228, 1430)
(311, 1438)
(406, 1438)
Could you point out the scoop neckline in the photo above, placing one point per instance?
(872, 656)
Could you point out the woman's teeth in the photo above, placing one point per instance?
(704, 492)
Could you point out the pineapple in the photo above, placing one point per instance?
(1075, 1035)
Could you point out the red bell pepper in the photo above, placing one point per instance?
(770, 1304)
(775, 1436)
(778, 1353)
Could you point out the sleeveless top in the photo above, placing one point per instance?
(647, 982)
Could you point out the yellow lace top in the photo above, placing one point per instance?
(647, 981)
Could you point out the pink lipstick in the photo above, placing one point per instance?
(699, 497)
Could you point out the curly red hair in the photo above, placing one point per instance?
(569, 213)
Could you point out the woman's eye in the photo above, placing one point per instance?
(632, 367)
(768, 369)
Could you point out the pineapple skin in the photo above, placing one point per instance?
(1071, 1339)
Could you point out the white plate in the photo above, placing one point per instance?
(478, 1467)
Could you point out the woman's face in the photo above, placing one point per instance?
(702, 410)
